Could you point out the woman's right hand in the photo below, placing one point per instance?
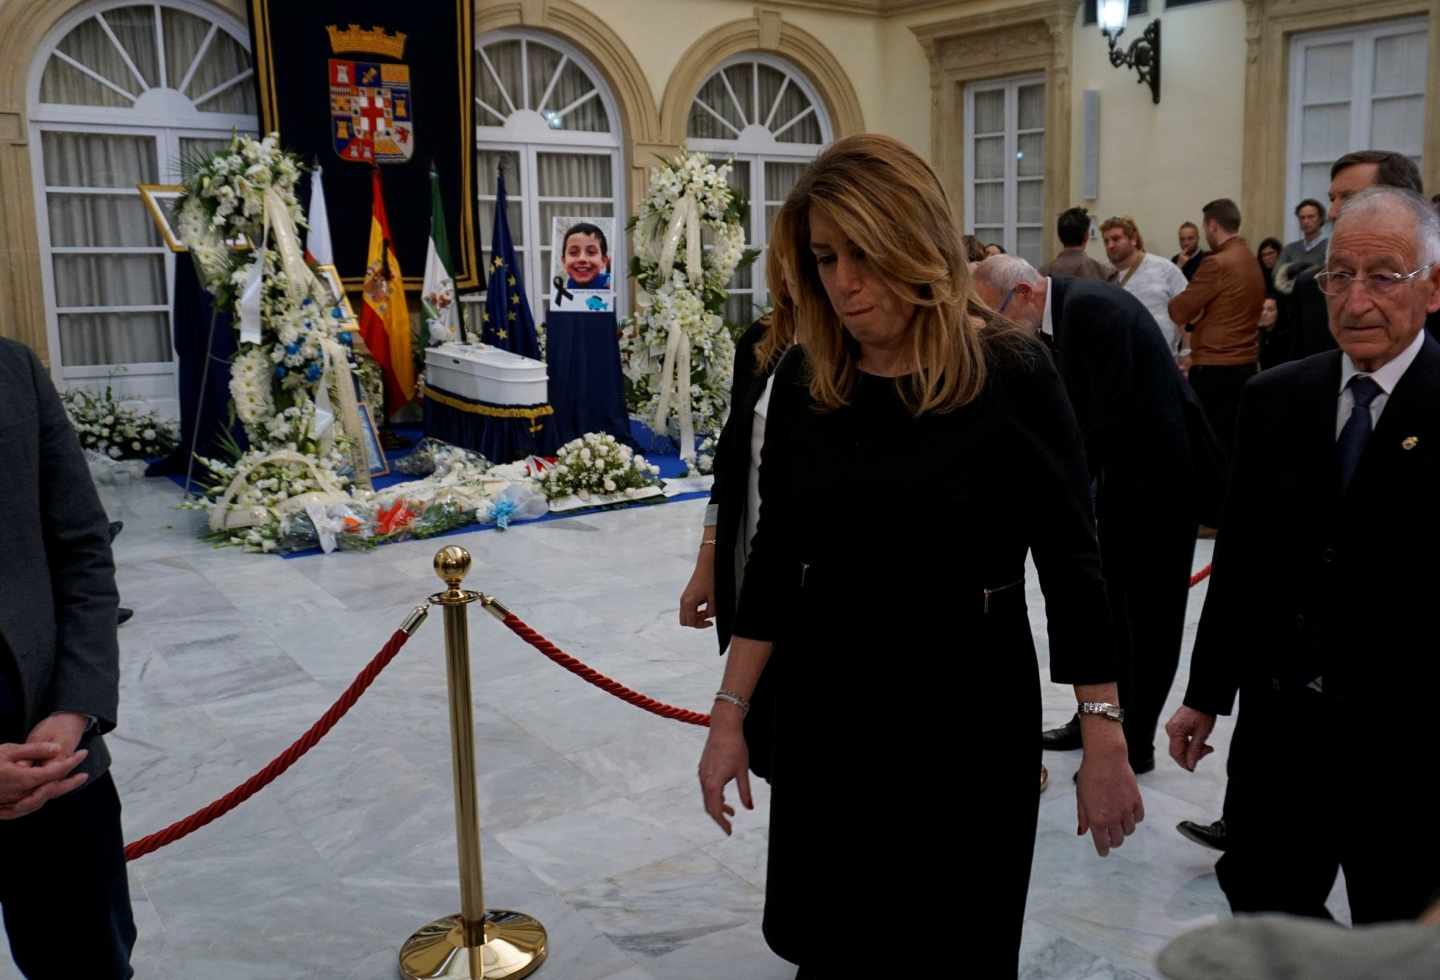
(726, 757)
(697, 602)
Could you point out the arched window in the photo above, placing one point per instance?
(761, 111)
(546, 114)
(120, 94)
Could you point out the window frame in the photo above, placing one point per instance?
(756, 146)
(167, 117)
(1361, 100)
(1010, 85)
(526, 134)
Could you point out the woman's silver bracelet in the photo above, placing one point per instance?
(730, 697)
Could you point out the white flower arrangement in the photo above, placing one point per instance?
(598, 468)
(274, 384)
(705, 455)
(667, 298)
(116, 431)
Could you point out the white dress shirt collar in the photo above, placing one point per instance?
(1390, 374)
(1047, 322)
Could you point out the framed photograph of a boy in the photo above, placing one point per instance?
(582, 279)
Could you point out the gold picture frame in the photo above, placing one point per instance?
(153, 195)
(330, 276)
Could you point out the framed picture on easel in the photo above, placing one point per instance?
(374, 454)
(163, 203)
(162, 200)
(330, 276)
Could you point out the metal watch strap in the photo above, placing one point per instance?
(1104, 709)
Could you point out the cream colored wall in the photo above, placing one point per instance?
(1160, 164)
(659, 33)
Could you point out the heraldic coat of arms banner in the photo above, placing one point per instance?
(358, 84)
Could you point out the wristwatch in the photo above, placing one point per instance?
(1104, 709)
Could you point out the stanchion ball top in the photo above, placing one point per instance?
(452, 564)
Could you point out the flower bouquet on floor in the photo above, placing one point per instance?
(116, 430)
(595, 471)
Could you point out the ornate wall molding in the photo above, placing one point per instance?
(1269, 26)
(766, 31)
(1030, 36)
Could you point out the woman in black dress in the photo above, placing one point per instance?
(916, 448)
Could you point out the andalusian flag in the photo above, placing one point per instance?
(384, 319)
(437, 296)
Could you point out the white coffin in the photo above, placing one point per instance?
(486, 374)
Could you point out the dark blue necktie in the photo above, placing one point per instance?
(1358, 427)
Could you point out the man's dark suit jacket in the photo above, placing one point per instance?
(57, 577)
(1146, 438)
(1308, 582)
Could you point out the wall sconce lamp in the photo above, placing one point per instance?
(1144, 52)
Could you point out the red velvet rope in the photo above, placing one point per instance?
(517, 626)
(284, 761)
(263, 778)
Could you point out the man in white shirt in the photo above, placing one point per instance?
(1149, 278)
(1317, 613)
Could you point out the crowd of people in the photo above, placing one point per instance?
(882, 674)
(1097, 417)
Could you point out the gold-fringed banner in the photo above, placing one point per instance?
(357, 84)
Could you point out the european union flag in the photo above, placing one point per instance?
(506, 321)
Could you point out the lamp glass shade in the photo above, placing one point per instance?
(1111, 15)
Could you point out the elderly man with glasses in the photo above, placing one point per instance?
(1324, 575)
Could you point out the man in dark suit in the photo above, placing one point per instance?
(1304, 329)
(62, 864)
(1323, 579)
(1145, 441)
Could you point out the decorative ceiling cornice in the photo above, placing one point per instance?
(873, 8)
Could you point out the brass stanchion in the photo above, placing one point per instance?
(476, 943)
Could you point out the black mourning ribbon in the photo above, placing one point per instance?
(560, 291)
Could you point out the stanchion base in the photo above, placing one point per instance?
(515, 946)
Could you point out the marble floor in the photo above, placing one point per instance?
(592, 819)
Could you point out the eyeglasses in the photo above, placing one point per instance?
(1380, 284)
(1005, 302)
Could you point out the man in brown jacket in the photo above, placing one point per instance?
(1222, 307)
(1073, 228)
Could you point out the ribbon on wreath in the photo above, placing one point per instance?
(675, 369)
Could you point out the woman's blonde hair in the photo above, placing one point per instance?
(890, 204)
(779, 321)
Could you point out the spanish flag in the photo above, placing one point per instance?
(384, 318)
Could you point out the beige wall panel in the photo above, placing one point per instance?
(1161, 163)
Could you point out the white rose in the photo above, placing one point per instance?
(609, 485)
(114, 452)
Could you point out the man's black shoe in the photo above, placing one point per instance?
(1215, 836)
(1066, 738)
(115, 528)
(123, 616)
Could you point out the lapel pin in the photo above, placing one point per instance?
(1410, 442)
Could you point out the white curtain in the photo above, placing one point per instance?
(94, 160)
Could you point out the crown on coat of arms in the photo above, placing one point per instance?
(374, 40)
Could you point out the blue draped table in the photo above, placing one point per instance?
(501, 433)
(587, 387)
